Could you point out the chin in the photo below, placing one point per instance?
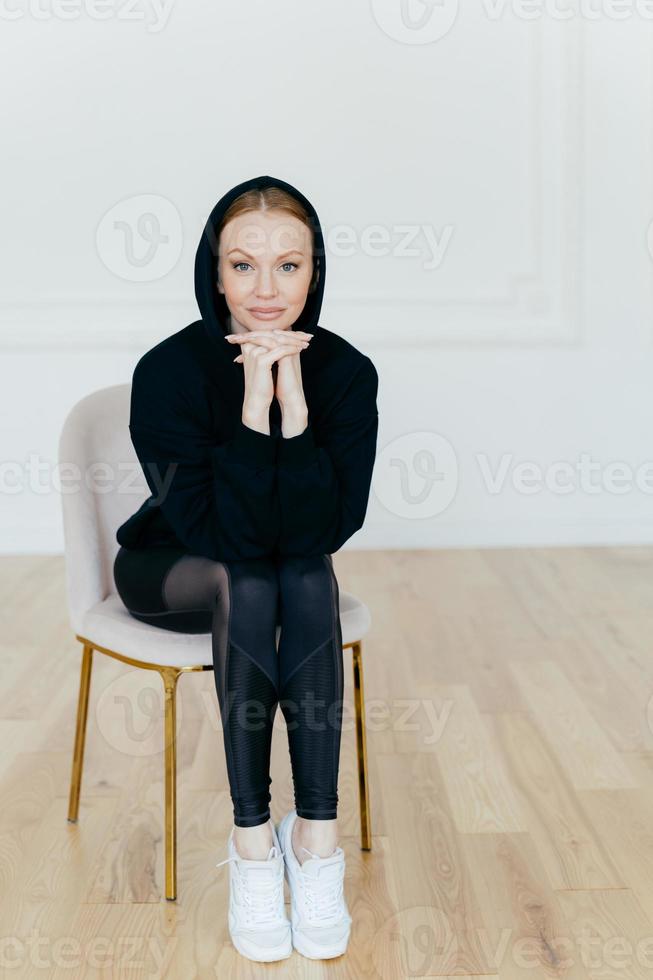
(255, 324)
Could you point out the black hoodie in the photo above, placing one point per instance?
(222, 489)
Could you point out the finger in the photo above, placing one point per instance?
(252, 338)
(292, 337)
(255, 335)
(243, 338)
(283, 337)
(275, 355)
(271, 343)
(265, 353)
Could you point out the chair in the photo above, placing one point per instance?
(96, 432)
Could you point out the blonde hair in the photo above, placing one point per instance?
(269, 199)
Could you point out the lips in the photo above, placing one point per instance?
(269, 313)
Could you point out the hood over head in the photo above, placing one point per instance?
(212, 304)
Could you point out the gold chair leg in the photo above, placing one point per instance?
(80, 733)
(170, 676)
(361, 748)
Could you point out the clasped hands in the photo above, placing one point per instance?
(260, 350)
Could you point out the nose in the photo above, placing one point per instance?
(265, 284)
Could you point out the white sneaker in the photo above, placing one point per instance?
(319, 916)
(258, 924)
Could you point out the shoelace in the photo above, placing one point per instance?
(261, 892)
(323, 892)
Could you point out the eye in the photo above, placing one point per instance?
(284, 266)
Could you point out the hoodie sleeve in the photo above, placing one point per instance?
(219, 499)
(324, 489)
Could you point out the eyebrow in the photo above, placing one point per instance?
(292, 251)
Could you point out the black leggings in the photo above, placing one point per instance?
(241, 603)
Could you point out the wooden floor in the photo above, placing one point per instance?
(510, 739)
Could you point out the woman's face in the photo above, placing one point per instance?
(264, 269)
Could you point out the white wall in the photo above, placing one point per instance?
(515, 153)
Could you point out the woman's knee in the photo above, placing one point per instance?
(254, 599)
(305, 576)
(254, 582)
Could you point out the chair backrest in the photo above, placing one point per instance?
(102, 484)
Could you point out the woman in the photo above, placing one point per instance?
(256, 430)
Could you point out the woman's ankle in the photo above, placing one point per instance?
(253, 843)
(318, 836)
